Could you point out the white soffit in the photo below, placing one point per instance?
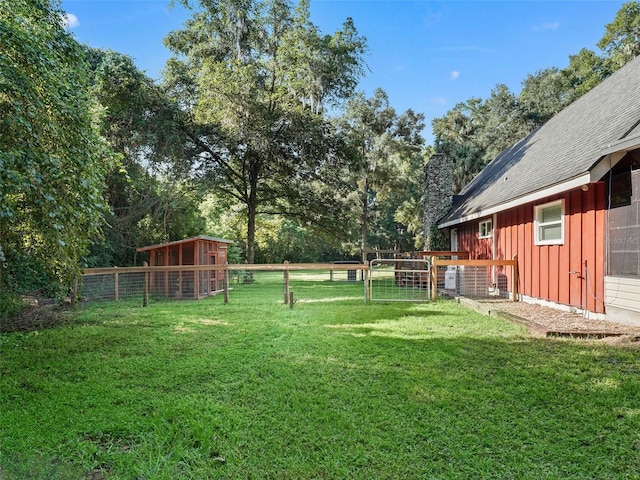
(532, 197)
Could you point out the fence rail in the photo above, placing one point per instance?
(448, 272)
(191, 281)
(273, 267)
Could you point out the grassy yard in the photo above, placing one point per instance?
(333, 389)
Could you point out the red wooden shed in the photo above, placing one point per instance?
(187, 283)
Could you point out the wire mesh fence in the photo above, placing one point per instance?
(477, 279)
(399, 279)
(196, 282)
(111, 286)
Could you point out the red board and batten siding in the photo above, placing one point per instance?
(556, 273)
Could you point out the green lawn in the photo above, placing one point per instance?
(333, 389)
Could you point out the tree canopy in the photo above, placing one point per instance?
(621, 40)
(147, 205)
(381, 144)
(256, 79)
(52, 161)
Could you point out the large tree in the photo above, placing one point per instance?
(381, 144)
(256, 79)
(544, 94)
(456, 136)
(52, 162)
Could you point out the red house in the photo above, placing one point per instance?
(187, 283)
(566, 201)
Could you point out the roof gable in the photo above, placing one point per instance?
(567, 147)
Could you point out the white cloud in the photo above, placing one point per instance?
(70, 20)
(546, 26)
(439, 100)
(454, 74)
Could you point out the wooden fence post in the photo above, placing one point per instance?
(226, 283)
(434, 279)
(286, 283)
(116, 288)
(74, 292)
(291, 301)
(145, 298)
(367, 290)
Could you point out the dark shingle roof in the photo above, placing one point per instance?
(564, 148)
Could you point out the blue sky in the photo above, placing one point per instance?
(427, 55)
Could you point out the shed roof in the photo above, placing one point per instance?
(186, 240)
(561, 154)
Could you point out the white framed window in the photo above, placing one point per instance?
(549, 223)
(485, 229)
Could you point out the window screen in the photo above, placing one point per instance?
(624, 217)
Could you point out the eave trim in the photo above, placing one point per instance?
(625, 144)
(576, 182)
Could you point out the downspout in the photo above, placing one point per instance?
(494, 247)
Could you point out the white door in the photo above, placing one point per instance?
(454, 241)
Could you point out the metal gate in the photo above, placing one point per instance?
(400, 280)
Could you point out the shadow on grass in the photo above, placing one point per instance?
(335, 390)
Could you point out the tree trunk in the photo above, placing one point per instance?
(252, 208)
(251, 233)
(364, 220)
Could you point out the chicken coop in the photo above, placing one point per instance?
(190, 282)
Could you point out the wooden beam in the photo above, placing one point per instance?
(473, 263)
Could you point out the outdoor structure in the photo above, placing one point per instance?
(566, 201)
(187, 283)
